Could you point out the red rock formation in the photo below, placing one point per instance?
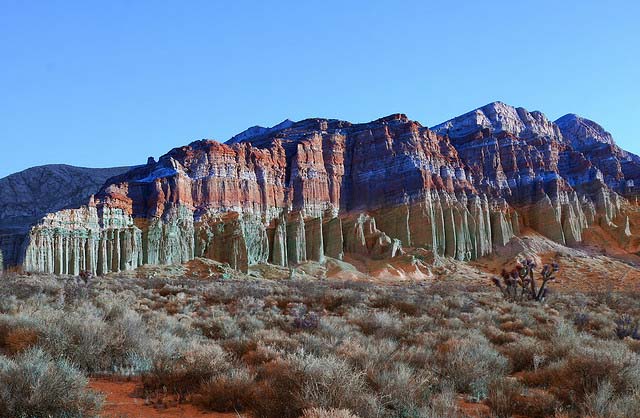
(343, 167)
(315, 188)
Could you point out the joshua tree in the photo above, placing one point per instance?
(520, 283)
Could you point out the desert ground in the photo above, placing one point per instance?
(408, 337)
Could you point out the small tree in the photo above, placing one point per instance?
(520, 283)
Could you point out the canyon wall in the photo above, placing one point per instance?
(325, 188)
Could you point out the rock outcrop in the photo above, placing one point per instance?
(75, 240)
(563, 176)
(27, 196)
(325, 188)
(238, 239)
(620, 169)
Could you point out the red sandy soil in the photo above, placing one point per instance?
(588, 268)
(473, 410)
(122, 400)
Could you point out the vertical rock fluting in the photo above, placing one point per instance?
(170, 238)
(296, 239)
(322, 188)
(449, 225)
(26, 197)
(75, 240)
(332, 238)
(245, 205)
(240, 240)
(362, 237)
(314, 239)
(563, 176)
(278, 242)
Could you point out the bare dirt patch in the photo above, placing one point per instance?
(122, 399)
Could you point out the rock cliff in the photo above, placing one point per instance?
(325, 188)
(620, 169)
(27, 196)
(560, 177)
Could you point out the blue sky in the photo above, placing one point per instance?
(110, 83)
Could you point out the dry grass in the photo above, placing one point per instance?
(317, 348)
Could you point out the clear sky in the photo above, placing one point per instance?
(112, 82)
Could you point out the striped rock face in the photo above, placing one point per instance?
(322, 188)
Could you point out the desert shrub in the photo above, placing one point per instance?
(74, 292)
(627, 327)
(443, 404)
(238, 347)
(179, 367)
(405, 350)
(334, 327)
(512, 326)
(586, 368)
(327, 413)
(563, 340)
(260, 355)
(398, 302)
(228, 392)
(524, 354)
(303, 319)
(502, 396)
(86, 338)
(80, 335)
(470, 363)
(249, 323)
(18, 333)
(382, 324)
(634, 345)
(9, 304)
(507, 398)
(129, 338)
(277, 391)
(220, 326)
(337, 299)
(173, 325)
(330, 382)
(405, 389)
(606, 404)
(301, 381)
(33, 384)
(581, 320)
(249, 305)
(277, 339)
(499, 337)
(315, 344)
(369, 353)
(595, 323)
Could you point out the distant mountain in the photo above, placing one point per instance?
(256, 131)
(620, 168)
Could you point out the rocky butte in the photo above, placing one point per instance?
(325, 188)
